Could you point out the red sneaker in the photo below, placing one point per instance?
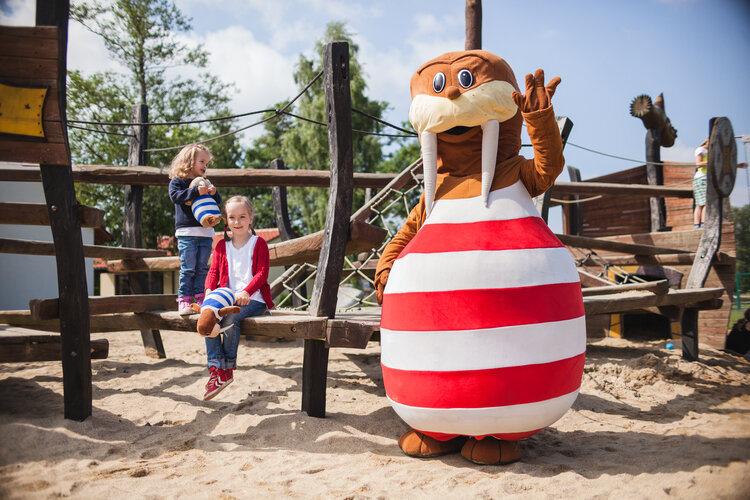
(214, 385)
(226, 377)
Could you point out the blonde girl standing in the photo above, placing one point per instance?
(193, 240)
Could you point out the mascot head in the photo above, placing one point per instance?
(458, 96)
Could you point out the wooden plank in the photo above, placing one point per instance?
(573, 212)
(28, 69)
(630, 190)
(31, 247)
(659, 287)
(42, 309)
(35, 214)
(147, 264)
(623, 302)
(282, 325)
(28, 151)
(350, 333)
(615, 246)
(36, 32)
(18, 43)
(30, 348)
(233, 177)
(661, 260)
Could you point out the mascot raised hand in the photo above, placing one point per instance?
(483, 329)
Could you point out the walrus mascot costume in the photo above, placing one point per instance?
(483, 330)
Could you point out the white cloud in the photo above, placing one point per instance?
(86, 51)
(262, 75)
(17, 13)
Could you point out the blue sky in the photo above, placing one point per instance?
(606, 52)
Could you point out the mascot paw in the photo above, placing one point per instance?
(416, 444)
(491, 451)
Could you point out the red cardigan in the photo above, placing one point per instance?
(218, 274)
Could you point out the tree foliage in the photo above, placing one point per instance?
(304, 145)
(141, 36)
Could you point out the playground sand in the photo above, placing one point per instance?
(646, 425)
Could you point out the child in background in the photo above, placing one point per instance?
(240, 263)
(193, 240)
(699, 186)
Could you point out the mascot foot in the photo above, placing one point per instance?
(416, 444)
(491, 451)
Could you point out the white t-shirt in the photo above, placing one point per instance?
(203, 232)
(240, 262)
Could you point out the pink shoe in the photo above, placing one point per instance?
(199, 298)
(214, 385)
(183, 305)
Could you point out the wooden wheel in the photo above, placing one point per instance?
(722, 156)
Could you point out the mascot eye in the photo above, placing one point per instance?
(465, 78)
(438, 83)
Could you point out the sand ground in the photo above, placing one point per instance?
(646, 425)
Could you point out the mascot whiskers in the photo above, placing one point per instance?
(483, 329)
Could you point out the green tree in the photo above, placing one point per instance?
(305, 145)
(741, 217)
(141, 36)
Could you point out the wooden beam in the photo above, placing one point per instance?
(230, 177)
(682, 259)
(615, 246)
(623, 302)
(35, 214)
(473, 25)
(283, 325)
(630, 190)
(31, 247)
(42, 309)
(29, 348)
(658, 287)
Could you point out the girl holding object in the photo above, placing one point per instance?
(193, 240)
(240, 263)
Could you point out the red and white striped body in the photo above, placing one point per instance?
(483, 328)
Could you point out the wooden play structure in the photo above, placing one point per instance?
(610, 256)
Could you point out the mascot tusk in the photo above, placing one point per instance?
(490, 130)
(429, 167)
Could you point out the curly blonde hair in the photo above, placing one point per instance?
(182, 164)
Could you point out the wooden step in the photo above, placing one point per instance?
(31, 247)
(42, 309)
(36, 214)
(26, 348)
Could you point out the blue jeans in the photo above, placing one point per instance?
(222, 349)
(194, 254)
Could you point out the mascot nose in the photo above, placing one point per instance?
(452, 92)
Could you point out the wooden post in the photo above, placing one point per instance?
(330, 264)
(286, 233)
(473, 24)
(57, 181)
(722, 168)
(131, 223)
(574, 211)
(655, 177)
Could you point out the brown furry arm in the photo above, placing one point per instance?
(396, 245)
(539, 173)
